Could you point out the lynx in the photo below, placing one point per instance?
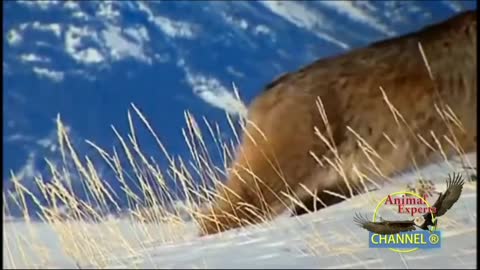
(320, 133)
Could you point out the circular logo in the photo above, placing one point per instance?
(433, 239)
(428, 205)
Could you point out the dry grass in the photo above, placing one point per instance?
(106, 242)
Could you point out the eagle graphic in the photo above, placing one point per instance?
(444, 202)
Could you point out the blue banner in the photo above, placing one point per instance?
(412, 239)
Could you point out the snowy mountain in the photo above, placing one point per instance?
(89, 61)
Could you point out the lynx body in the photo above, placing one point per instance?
(367, 114)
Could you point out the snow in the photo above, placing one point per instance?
(301, 16)
(73, 40)
(357, 14)
(42, 4)
(262, 29)
(120, 48)
(139, 33)
(106, 10)
(55, 76)
(31, 57)
(324, 239)
(171, 28)
(55, 28)
(213, 92)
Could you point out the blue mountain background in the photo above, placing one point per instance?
(88, 61)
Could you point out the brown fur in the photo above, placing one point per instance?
(276, 160)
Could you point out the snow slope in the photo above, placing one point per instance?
(325, 239)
